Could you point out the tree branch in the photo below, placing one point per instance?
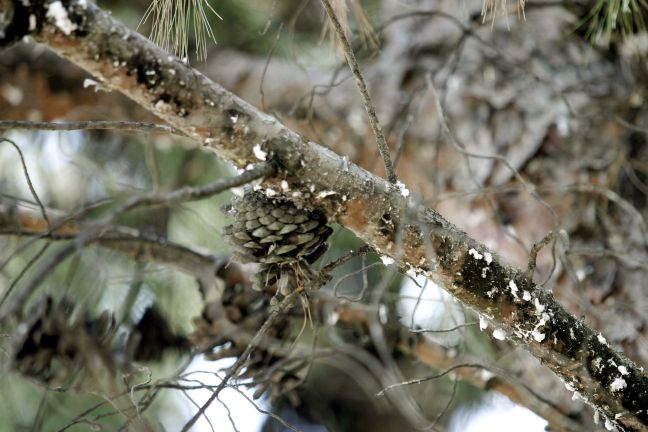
(417, 237)
(89, 125)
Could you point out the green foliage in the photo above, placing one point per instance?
(609, 18)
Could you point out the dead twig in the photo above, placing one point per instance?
(383, 148)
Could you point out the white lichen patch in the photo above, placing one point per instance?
(526, 295)
(569, 386)
(601, 339)
(14, 95)
(324, 194)
(499, 334)
(88, 82)
(387, 260)
(32, 22)
(609, 425)
(623, 370)
(596, 364)
(577, 396)
(483, 323)
(473, 253)
(403, 189)
(284, 186)
(538, 336)
(488, 257)
(484, 272)
(514, 289)
(259, 153)
(59, 15)
(490, 293)
(96, 85)
(618, 384)
(333, 318)
(163, 107)
(382, 314)
(537, 333)
(271, 193)
(486, 375)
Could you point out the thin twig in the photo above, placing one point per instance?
(448, 330)
(364, 92)
(90, 125)
(32, 190)
(240, 362)
(267, 65)
(431, 377)
(196, 193)
(341, 280)
(346, 258)
(533, 255)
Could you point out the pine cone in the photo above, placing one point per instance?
(245, 310)
(275, 233)
(52, 346)
(152, 337)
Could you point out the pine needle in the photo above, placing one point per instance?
(492, 8)
(364, 27)
(173, 21)
(608, 18)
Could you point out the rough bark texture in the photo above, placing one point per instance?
(379, 213)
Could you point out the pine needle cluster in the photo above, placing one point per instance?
(173, 22)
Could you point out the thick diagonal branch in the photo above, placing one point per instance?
(419, 238)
